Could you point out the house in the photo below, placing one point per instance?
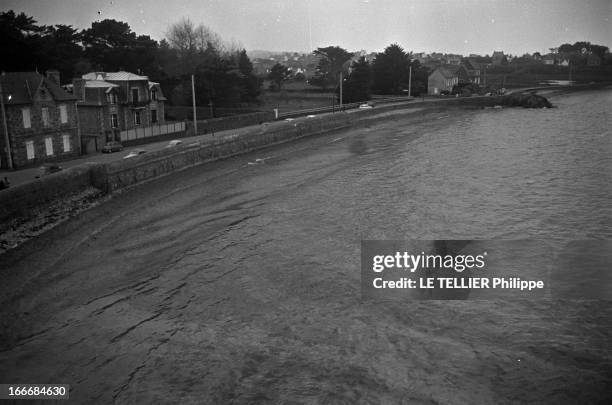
(474, 70)
(498, 58)
(110, 104)
(445, 77)
(40, 117)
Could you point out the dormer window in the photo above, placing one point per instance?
(112, 98)
(153, 94)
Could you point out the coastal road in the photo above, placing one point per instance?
(239, 282)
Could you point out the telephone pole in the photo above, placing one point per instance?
(195, 119)
(7, 141)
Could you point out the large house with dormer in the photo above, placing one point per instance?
(39, 119)
(111, 103)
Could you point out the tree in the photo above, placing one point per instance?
(420, 75)
(358, 83)
(110, 45)
(190, 42)
(332, 62)
(390, 70)
(20, 38)
(61, 48)
(278, 74)
(250, 83)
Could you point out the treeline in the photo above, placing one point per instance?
(224, 75)
(392, 72)
(223, 72)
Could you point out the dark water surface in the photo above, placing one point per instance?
(240, 283)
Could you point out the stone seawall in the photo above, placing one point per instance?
(18, 201)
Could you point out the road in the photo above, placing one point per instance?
(238, 282)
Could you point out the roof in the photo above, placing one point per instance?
(22, 86)
(99, 84)
(449, 71)
(471, 64)
(114, 76)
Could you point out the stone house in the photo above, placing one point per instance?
(41, 119)
(445, 77)
(111, 103)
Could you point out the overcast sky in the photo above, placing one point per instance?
(452, 26)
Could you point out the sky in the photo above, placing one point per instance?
(450, 26)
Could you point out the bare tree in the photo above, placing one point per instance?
(188, 38)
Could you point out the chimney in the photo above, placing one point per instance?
(78, 88)
(53, 76)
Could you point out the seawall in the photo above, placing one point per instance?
(19, 201)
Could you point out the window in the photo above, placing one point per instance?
(66, 141)
(63, 113)
(136, 117)
(25, 113)
(30, 150)
(134, 95)
(112, 98)
(114, 121)
(153, 94)
(153, 116)
(45, 116)
(49, 146)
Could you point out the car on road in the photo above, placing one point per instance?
(47, 169)
(134, 153)
(174, 142)
(113, 146)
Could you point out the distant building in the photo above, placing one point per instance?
(445, 77)
(452, 59)
(41, 119)
(498, 58)
(474, 70)
(111, 103)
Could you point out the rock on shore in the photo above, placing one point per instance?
(527, 100)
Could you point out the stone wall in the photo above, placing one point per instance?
(110, 177)
(21, 200)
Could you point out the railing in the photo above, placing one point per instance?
(154, 130)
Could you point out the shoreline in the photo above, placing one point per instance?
(19, 229)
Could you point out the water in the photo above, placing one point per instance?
(510, 173)
(240, 283)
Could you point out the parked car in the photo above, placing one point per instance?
(174, 142)
(113, 146)
(134, 153)
(365, 106)
(47, 169)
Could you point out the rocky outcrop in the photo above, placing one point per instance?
(527, 100)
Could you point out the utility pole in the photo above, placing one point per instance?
(341, 90)
(410, 81)
(195, 119)
(7, 141)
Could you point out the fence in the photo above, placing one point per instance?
(155, 130)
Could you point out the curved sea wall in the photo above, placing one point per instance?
(19, 201)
